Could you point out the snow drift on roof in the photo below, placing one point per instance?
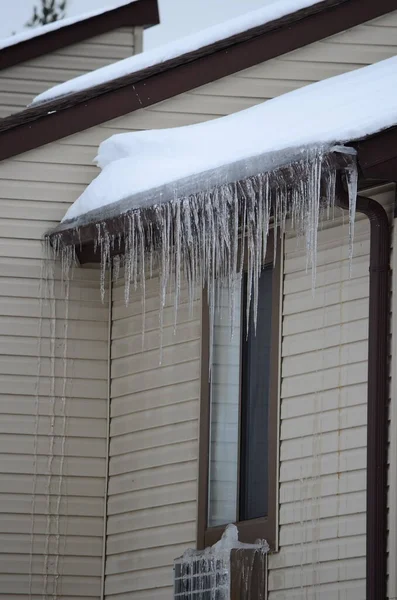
(337, 110)
(206, 37)
(37, 31)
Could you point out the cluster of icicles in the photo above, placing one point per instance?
(197, 238)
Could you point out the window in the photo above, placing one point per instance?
(238, 430)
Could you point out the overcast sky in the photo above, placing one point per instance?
(178, 17)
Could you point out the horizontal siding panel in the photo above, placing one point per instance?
(72, 586)
(143, 559)
(75, 526)
(76, 566)
(323, 508)
(72, 446)
(335, 293)
(154, 438)
(279, 68)
(27, 328)
(73, 506)
(326, 464)
(324, 551)
(27, 366)
(153, 457)
(73, 545)
(330, 442)
(326, 337)
(342, 483)
(327, 316)
(325, 400)
(130, 345)
(304, 531)
(252, 87)
(365, 34)
(73, 407)
(72, 466)
(329, 379)
(156, 379)
(74, 486)
(322, 422)
(152, 478)
(145, 419)
(346, 570)
(24, 386)
(212, 105)
(151, 399)
(45, 191)
(155, 537)
(152, 497)
(126, 582)
(325, 359)
(126, 530)
(76, 427)
(147, 361)
(329, 51)
(341, 271)
(149, 118)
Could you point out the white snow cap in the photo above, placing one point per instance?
(336, 110)
(38, 31)
(271, 12)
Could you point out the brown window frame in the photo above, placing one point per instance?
(264, 527)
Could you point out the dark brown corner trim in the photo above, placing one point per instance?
(137, 13)
(54, 120)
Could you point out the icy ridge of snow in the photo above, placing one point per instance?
(38, 31)
(271, 12)
(322, 113)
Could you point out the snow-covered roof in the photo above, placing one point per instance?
(39, 31)
(334, 111)
(271, 12)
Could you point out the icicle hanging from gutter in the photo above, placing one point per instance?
(198, 236)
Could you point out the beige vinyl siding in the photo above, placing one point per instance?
(322, 510)
(153, 467)
(153, 443)
(69, 491)
(21, 83)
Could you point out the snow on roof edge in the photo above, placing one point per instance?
(35, 32)
(276, 10)
(323, 113)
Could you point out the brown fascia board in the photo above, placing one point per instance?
(53, 120)
(142, 13)
(378, 155)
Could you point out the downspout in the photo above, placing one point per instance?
(377, 395)
(107, 451)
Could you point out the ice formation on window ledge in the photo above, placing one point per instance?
(197, 237)
(209, 574)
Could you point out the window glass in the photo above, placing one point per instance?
(224, 411)
(240, 374)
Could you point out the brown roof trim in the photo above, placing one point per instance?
(378, 155)
(59, 118)
(136, 13)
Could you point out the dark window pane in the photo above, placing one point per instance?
(254, 406)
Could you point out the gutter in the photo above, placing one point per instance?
(377, 395)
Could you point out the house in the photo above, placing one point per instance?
(33, 60)
(104, 461)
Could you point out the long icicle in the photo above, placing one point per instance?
(201, 235)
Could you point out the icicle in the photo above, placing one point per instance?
(215, 235)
